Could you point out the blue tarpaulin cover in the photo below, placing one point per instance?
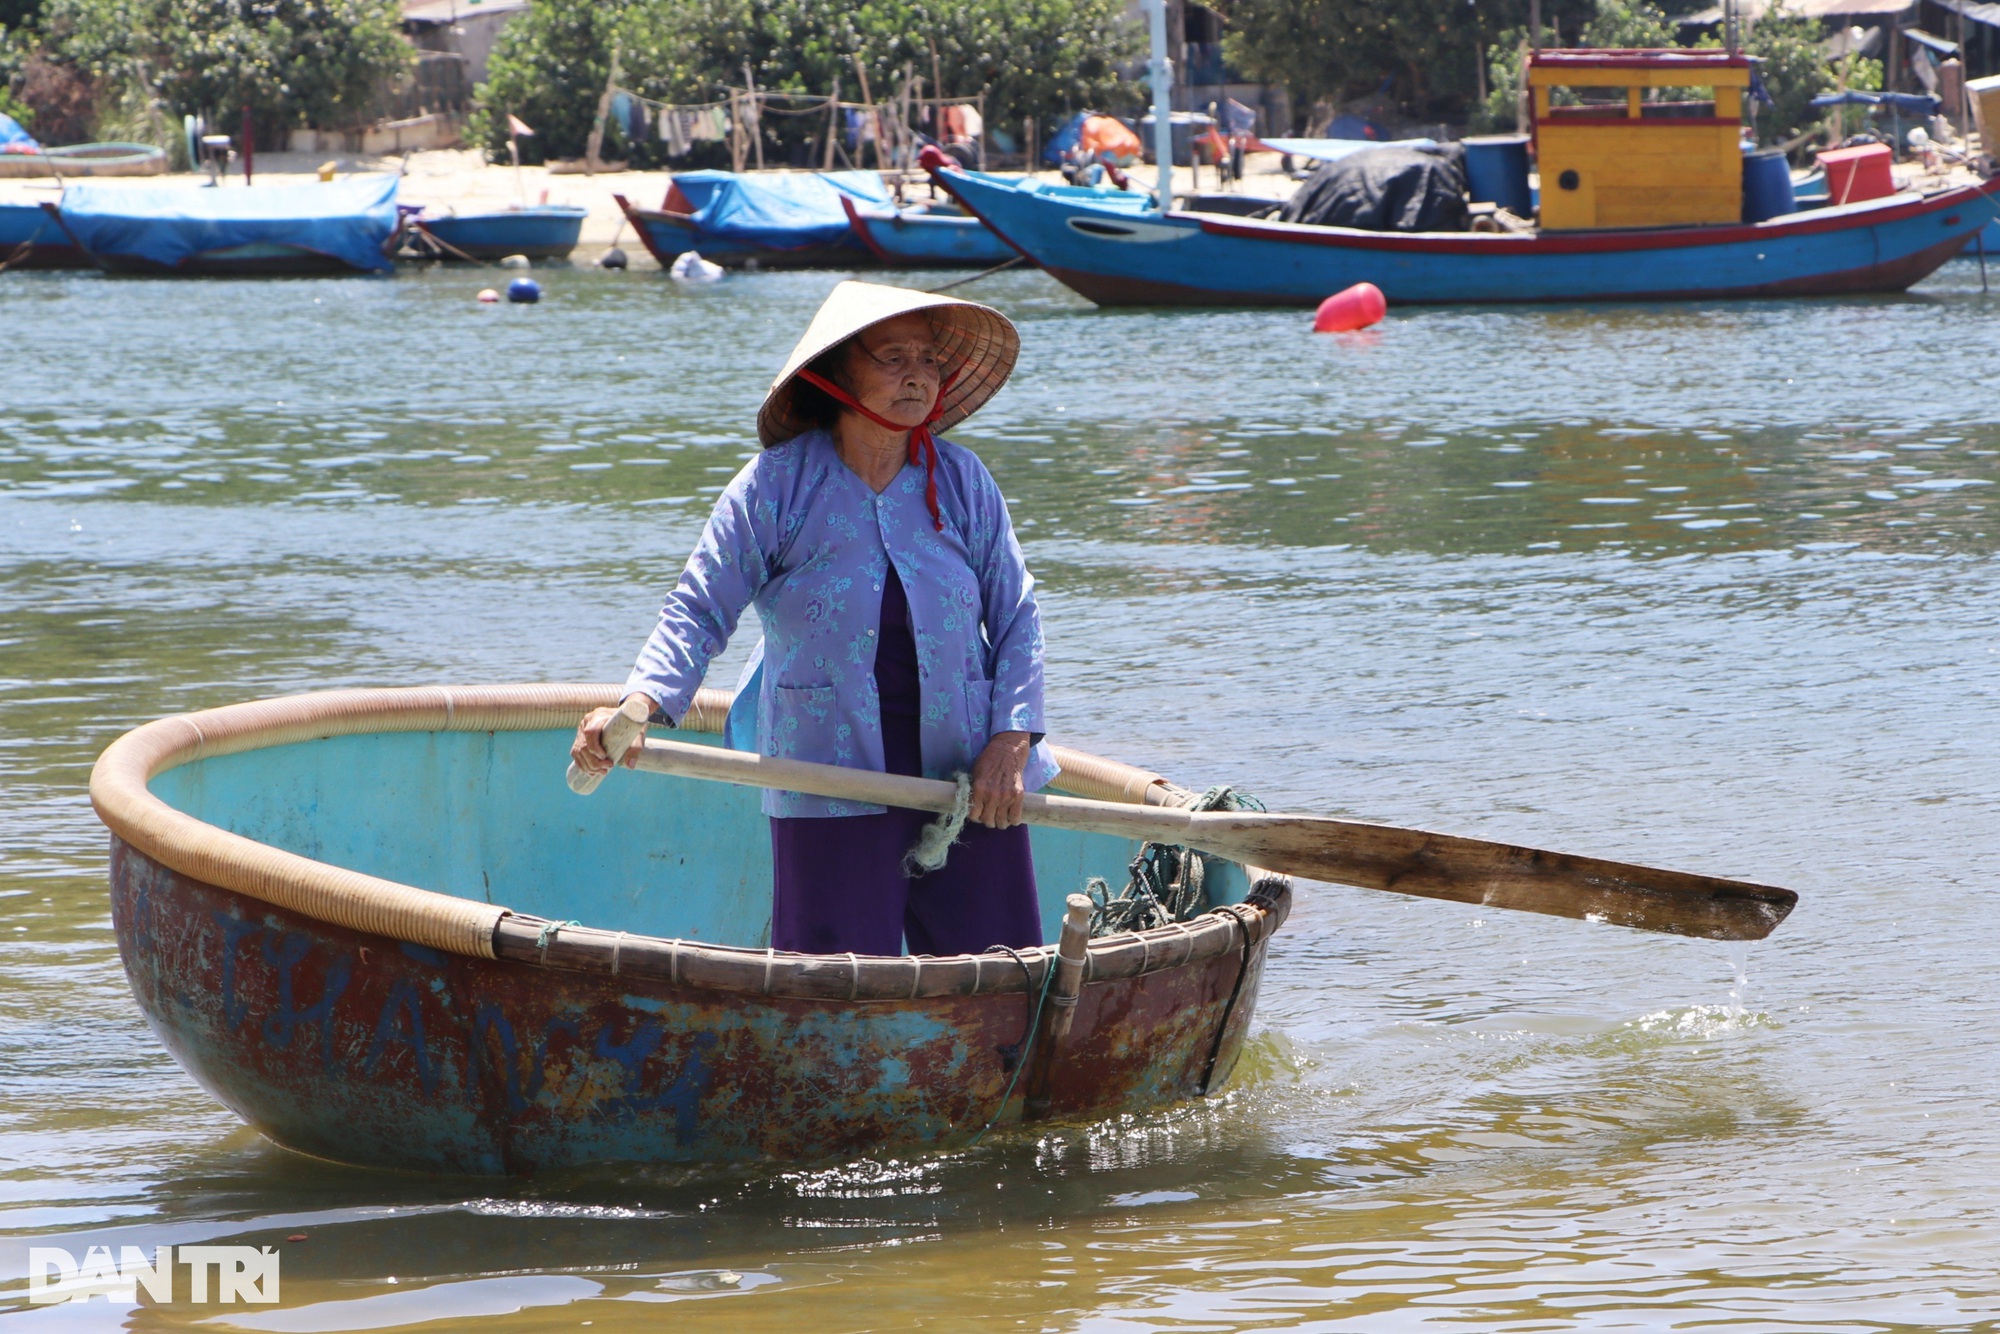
(167, 224)
(783, 212)
(14, 139)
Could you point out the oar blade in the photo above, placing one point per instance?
(1496, 875)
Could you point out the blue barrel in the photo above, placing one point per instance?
(1767, 186)
(1496, 172)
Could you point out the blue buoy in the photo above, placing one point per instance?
(524, 291)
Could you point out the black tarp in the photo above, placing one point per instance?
(1386, 190)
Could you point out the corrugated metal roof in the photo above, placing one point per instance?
(456, 11)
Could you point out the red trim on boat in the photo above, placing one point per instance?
(860, 226)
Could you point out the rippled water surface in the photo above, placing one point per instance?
(1708, 585)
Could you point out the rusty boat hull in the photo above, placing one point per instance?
(359, 995)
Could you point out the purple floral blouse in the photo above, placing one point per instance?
(800, 535)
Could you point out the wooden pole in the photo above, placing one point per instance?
(981, 104)
(871, 121)
(592, 153)
(1535, 25)
(736, 132)
(756, 114)
(832, 123)
(1314, 847)
(1058, 1008)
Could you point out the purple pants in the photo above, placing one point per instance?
(839, 884)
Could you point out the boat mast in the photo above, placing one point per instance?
(1163, 83)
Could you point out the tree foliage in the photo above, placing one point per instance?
(1794, 70)
(289, 62)
(1032, 57)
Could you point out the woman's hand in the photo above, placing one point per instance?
(997, 790)
(588, 748)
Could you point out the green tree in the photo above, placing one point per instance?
(1032, 57)
(288, 62)
(1794, 70)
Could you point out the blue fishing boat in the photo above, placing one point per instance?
(927, 236)
(541, 231)
(31, 239)
(1118, 257)
(323, 227)
(775, 220)
(376, 925)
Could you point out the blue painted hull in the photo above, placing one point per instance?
(1115, 257)
(31, 239)
(667, 236)
(546, 232)
(906, 240)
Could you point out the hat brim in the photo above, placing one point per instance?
(977, 347)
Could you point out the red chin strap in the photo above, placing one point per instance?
(923, 449)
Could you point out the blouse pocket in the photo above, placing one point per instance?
(807, 723)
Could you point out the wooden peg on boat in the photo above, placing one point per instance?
(621, 729)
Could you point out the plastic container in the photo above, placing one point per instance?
(1355, 308)
(1855, 174)
(1767, 186)
(1496, 172)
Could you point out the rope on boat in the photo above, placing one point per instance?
(548, 933)
(1167, 884)
(935, 843)
(1027, 1038)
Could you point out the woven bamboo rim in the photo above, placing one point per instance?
(120, 792)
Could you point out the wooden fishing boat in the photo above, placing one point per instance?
(774, 220)
(931, 236)
(376, 926)
(540, 231)
(31, 239)
(1116, 257)
(325, 227)
(1642, 198)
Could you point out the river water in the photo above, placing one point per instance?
(1708, 586)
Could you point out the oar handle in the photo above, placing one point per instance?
(1164, 824)
(620, 730)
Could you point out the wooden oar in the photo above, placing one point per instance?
(1348, 852)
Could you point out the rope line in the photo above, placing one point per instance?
(934, 845)
(1027, 1038)
(1168, 882)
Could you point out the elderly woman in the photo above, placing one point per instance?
(900, 628)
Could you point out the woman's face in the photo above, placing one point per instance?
(893, 370)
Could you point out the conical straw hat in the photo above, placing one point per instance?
(975, 342)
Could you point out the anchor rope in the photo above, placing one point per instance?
(1167, 882)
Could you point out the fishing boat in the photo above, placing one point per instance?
(927, 236)
(776, 220)
(323, 227)
(539, 231)
(31, 239)
(105, 159)
(1641, 199)
(376, 926)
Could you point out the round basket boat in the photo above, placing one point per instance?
(106, 159)
(378, 926)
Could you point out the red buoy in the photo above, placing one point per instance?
(1356, 308)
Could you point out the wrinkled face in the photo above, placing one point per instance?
(893, 369)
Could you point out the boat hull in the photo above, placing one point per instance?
(306, 895)
(1194, 259)
(538, 233)
(366, 1049)
(31, 239)
(668, 236)
(922, 241)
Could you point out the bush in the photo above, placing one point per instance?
(1795, 71)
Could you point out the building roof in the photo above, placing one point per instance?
(1809, 9)
(428, 12)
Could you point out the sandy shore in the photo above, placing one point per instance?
(459, 180)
